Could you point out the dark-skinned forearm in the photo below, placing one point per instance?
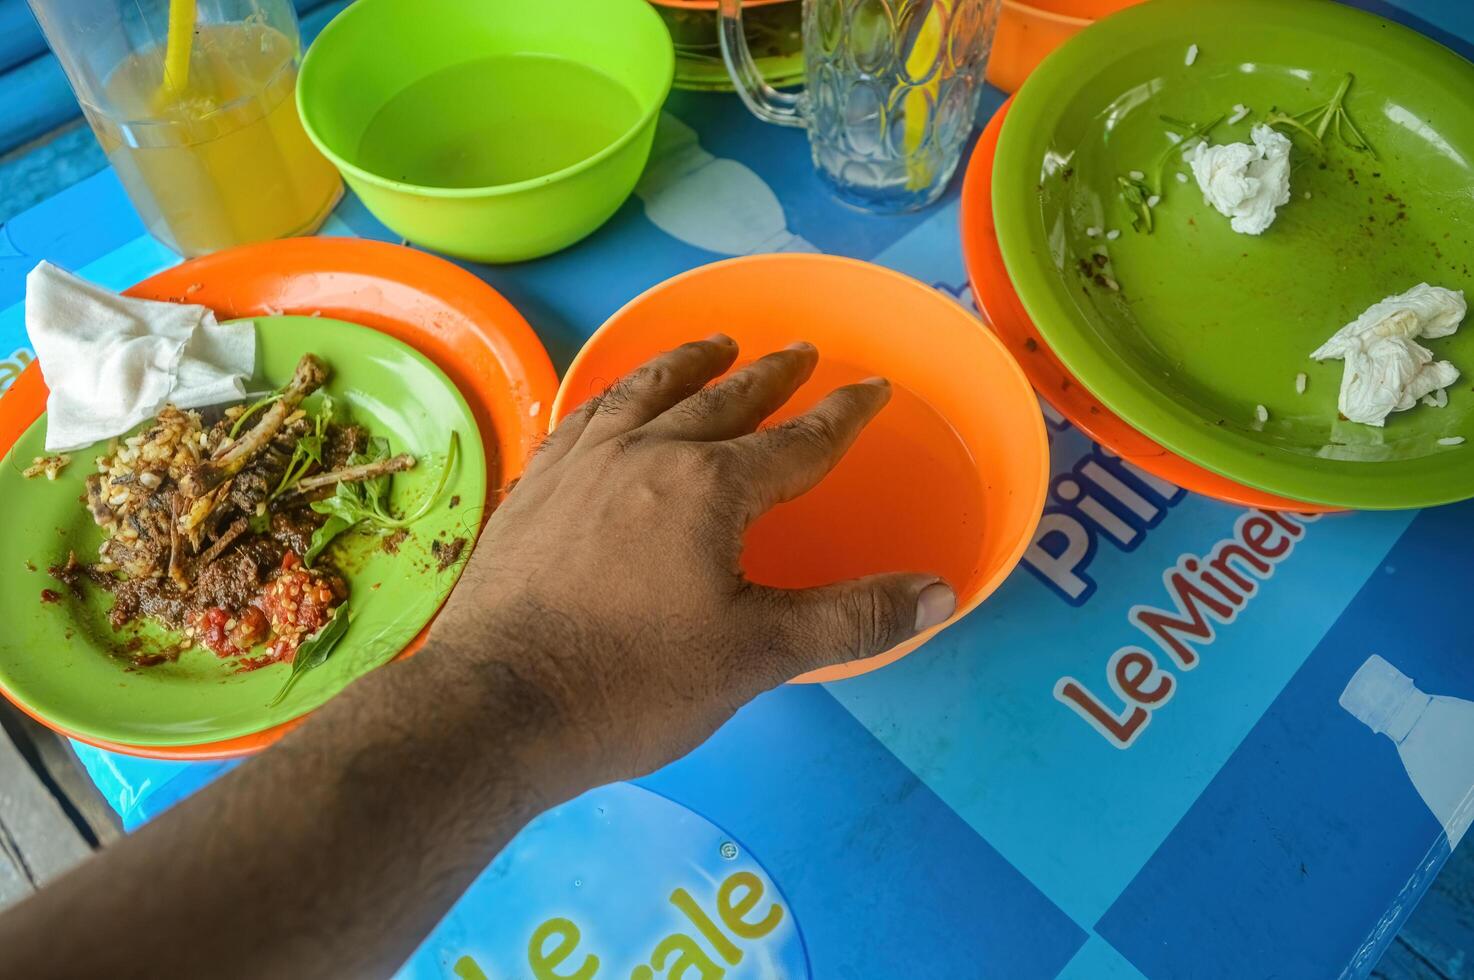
(609, 584)
(332, 855)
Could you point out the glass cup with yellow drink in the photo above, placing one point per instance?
(193, 102)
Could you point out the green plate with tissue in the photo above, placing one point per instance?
(1188, 328)
(62, 661)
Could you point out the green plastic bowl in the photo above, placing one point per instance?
(496, 131)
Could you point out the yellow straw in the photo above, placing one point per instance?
(917, 103)
(177, 47)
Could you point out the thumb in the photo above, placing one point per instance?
(863, 617)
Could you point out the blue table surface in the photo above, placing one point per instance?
(1229, 840)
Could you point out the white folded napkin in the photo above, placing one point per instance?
(112, 362)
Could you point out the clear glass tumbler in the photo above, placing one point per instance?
(194, 103)
(892, 92)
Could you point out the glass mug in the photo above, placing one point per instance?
(892, 92)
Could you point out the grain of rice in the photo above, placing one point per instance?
(1092, 231)
(1113, 234)
(1451, 441)
(1137, 175)
(1181, 177)
(1154, 200)
(1300, 381)
(1192, 55)
(47, 466)
(1261, 413)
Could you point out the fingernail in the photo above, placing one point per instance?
(878, 382)
(935, 606)
(803, 345)
(720, 338)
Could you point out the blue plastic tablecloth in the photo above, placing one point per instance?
(954, 815)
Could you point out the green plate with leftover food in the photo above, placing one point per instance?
(1186, 330)
(62, 661)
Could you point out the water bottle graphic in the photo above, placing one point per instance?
(716, 204)
(1434, 736)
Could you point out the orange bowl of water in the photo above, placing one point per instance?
(950, 478)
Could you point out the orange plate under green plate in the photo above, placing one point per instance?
(950, 478)
(474, 335)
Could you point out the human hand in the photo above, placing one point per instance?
(601, 629)
(609, 581)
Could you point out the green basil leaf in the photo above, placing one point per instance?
(335, 525)
(353, 503)
(337, 504)
(378, 449)
(376, 491)
(314, 651)
(445, 470)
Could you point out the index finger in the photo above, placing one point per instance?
(790, 459)
(655, 386)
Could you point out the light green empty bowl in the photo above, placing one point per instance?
(499, 130)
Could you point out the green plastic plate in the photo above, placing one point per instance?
(1208, 324)
(59, 660)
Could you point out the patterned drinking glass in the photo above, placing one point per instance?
(892, 92)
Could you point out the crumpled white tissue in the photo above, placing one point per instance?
(112, 361)
(1243, 182)
(1386, 369)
